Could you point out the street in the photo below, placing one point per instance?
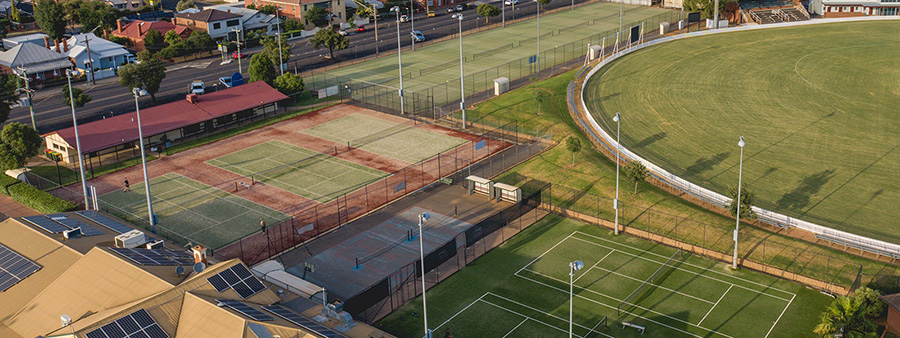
(109, 98)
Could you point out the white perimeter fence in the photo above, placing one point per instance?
(822, 232)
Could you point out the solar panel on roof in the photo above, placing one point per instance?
(155, 257)
(14, 267)
(105, 221)
(86, 230)
(245, 309)
(218, 283)
(239, 278)
(136, 324)
(46, 224)
(301, 321)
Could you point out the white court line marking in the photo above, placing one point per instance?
(648, 283)
(517, 326)
(536, 310)
(545, 252)
(689, 264)
(460, 311)
(612, 307)
(714, 305)
(593, 266)
(779, 316)
(685, 270)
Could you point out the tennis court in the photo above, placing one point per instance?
(402, 141)
(660, 289)
(304, 172)
(192, 209)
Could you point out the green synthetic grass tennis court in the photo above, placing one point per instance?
(304, 172)
(438, 63)
(192, 209)
(521, 289)
(403, 142)
(817, 106)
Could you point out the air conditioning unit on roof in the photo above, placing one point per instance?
(131, 239)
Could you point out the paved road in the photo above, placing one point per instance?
(109, 98)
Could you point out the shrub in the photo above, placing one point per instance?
(5, 182)
(39, 200)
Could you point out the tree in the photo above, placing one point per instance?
(262, 69)
(4, 29)
(544, 2)
(251, 6)
(364, 9)
(573, 144)
(705, 7)
(870, 300)
(50, 16)
(635, 171)
(172, 37)
(488, 11)
(289, 84)
(146, 75)
(153, 41)
(18, 142)
(330, 39)
(267, 9)
(93, 14)
(291, 25)
(8, 95)
(845, 316)
(747, 199)
(184, 4)
(318, 16)
(78, 96)
(271, 47)
(71, 8)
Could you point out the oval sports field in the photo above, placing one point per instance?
(818, 106)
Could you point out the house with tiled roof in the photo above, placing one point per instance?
(297, 9)
(217, 23)
(135, 31)
(95, 285)
(37, 61)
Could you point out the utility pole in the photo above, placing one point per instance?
(24, 77)
(412, 22)
(278, 25)
(87, 45)
(237, 37)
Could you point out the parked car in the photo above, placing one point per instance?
(197, 87)
(451, 9)
(460, 8)
(418, 36)
(431, 14)
(236, 55)
(360, 29)
(511, 2)
(225, 81)
(404, 18)
(343, 32)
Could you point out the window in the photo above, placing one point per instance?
(217, 25)
(304, 8)
(232, 23)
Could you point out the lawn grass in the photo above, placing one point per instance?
(492, 297)
(589, 187)
(63, 177)
(819, 117)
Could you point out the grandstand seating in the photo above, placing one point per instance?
(764, 16)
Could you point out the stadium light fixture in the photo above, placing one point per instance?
(69, 74)
(422, 218)
(573, 266)
(462, 78)
(617, 118)
(396, 10)
(138, 92)
(737, 215)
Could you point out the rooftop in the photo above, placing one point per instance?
(207, 15)
(138, 28)
(34, 57)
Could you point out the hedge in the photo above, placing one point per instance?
(6, 181)
(39, 200)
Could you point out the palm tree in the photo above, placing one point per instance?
(846, 317)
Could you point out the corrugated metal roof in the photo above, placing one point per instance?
(35, 57)
(207, 15)
(120, 129)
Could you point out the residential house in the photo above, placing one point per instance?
(297, 9)
(251, 19)
(36, 38)
(133, 5)
(105, 55)
(115, 281)
(135, 31)
(39, 62)
(847, 8)
(217, 23)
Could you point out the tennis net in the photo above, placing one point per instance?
(652, 280)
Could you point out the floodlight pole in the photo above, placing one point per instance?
(137, 92)
(716, 15)
(537, 57)
(621, 13)
(87, 204)
(737, 215)
(618, 120)
(280, 57)
(502, 15)
(422, 218)
(412, 22)
(462, 77)
(573, 266)
(396, 9)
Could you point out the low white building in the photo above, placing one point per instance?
(251, 19)
(848, 8)
(106, 55)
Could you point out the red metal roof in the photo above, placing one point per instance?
(120, 129)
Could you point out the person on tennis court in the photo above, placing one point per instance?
(127, 186)
(262, 224)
